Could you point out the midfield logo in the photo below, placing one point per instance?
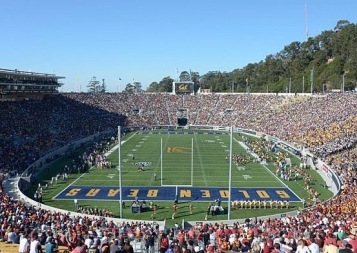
(178, 150)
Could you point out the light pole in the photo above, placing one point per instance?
(343, 83)
(118, 88)
(246, 85)
(120, 175)
(230, 172)
(77, 78)
(312, 79)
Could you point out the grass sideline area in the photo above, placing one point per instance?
(211, 169)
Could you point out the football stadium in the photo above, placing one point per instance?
(141, 168)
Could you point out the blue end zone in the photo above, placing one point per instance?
(184, 193)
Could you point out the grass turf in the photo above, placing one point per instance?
(210, 169)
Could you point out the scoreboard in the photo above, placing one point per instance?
(180, 88)
(182, 121)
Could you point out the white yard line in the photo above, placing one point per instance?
(201, 162)
(157, 166)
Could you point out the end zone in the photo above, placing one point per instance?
(184, 193)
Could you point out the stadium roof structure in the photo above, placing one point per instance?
(16, 72)
(16, 81)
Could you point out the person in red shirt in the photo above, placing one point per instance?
(191, 233)
(164, 243)
(181, 237)
(331, 239)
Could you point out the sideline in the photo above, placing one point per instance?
(106, 154)
(117, 146)
(256, 156)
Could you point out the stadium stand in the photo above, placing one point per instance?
(323, 124)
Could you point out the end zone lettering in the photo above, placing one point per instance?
(185, 193)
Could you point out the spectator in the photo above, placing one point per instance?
(35, 245)
(128, 248)
(80, 247)
(51, 246)
(24, 246)
(94, 248)
(114, 247)
(330, 247)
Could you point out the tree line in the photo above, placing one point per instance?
(322, 63)
(325, 62)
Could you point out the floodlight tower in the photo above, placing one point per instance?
(306, 22)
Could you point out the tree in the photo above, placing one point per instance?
(103, 88)
(94, 85)
(331, 53)
(195, 78)
(185, 76)
(165, 85)
(341, 24)
(129, 88)
(137, 87)
(153, 87)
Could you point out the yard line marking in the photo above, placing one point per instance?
(158, 162)
(246, 177)
(201, 162)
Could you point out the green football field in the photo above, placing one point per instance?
(197, 163)
(208, 166)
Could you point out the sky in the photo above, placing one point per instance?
(123, 41)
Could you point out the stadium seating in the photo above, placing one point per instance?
(324, 124)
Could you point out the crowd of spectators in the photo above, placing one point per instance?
(325, 125)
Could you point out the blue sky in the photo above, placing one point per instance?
(146, 41)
